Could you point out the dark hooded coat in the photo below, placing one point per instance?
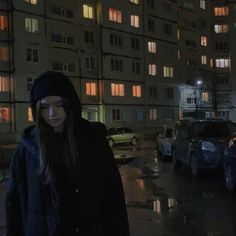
(90, 204)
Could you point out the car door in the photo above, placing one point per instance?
(182, 142)
(127, 135)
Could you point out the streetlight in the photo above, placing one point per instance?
(197, 94)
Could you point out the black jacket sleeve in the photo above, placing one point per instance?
(113, 199)
(13, 207)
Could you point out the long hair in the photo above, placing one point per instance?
(48, 146)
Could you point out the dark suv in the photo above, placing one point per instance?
(201, 143)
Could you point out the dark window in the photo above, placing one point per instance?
(88, 37)
(135, 43)
(167, 29)
(150, 3)
(56, 38)
(151, 25)
(210, 129)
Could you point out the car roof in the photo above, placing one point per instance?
(190, 120)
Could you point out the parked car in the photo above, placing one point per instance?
(201, 143)
(122, 135)
(230, 165)
(164, 142)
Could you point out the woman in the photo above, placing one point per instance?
(63, 177)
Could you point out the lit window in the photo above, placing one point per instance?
(222, 63)
(152, 47)
(3, 23)
(203, 4)
(221, 28)
(135, 1)
(137, 92)
(153, 114)
(3, 53)
(117, 89)
(204, 59)
(115, 15)
(134, 20)
(221, 11)
(4, 84)
(203, 40)
(152, 69)
(204, 96)
(91, 89)
(30, 115)
(211, 63)
(32, 55)
(88, 12)
(168, 71)
(178, 55)
(178, 34)
(4, 114)
(33, 2)
(31, 25)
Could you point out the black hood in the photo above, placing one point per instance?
(53, 83)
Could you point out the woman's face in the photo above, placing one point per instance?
(53, 113)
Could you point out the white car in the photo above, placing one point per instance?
(164, 143)
(122, 135)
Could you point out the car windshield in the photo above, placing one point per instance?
(211, 129)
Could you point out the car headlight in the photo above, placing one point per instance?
(208, 146)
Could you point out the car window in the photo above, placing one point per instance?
(210, 129)
(232, 129)
(111, 131)
(120, 131)
(127, 130)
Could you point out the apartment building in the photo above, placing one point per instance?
(224, 18)
(133, 62)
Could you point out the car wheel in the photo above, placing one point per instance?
(229, 182)
(176, 163)
(134, 141)
(194, 165)
(111, 142)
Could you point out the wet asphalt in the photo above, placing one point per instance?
(162, 201)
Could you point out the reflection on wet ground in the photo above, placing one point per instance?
(142, 195)
(166, 202)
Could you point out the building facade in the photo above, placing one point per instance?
(133, 64)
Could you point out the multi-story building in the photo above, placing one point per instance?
(133, 62)
(224, 18)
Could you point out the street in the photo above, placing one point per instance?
(164, 202)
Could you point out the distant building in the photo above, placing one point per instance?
(129, 60)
